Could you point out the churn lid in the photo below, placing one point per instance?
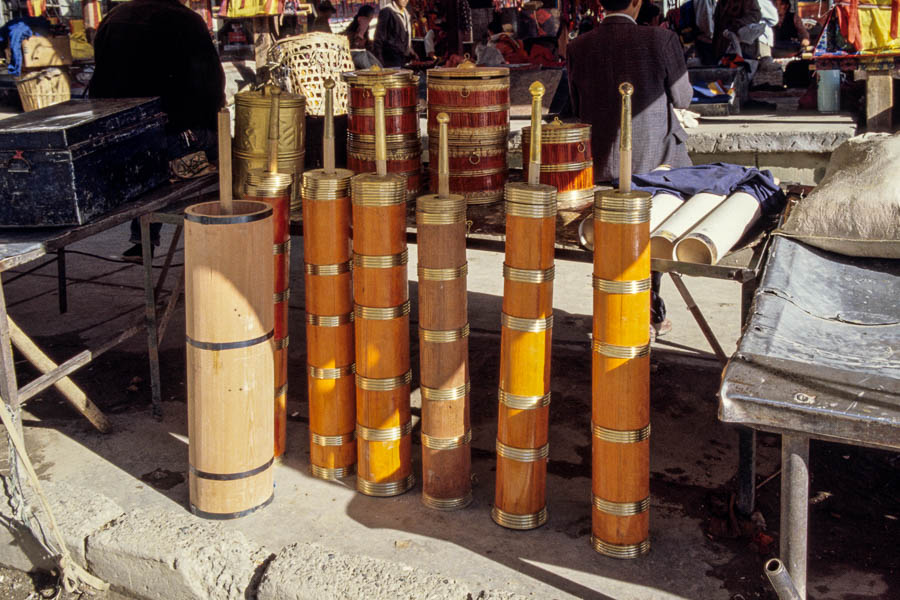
(468, 70)
(390, 77)
(558, 132)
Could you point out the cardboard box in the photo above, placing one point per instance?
(40, 51)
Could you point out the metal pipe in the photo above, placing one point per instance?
(781, 580)
(795, 507)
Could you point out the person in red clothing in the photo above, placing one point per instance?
(146, 48)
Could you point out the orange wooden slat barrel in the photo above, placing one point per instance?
(566, 162)
(620, 414)
(230, 371)
(525, 344)
(381, 321)
(477, 101)
(274, 189)
(251, 118)
(404, 150)
(329, 323)
(444, 352)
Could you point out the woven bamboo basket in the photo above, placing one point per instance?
(306, 61)
(44, 88)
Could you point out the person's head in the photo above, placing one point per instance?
(783, 6)
(629, 7)
(361, 20)
(401, 4)
(326, 8)
(648, 15)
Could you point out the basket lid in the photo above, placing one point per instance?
(387, 77)
(558, 132)
(262, 98)
(468, 70)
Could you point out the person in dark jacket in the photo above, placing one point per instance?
(652, 60)
(393, 35)
(322, 22)
(147, 48)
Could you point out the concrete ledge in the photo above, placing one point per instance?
(79, 512)
(310, 572)
(172, 555)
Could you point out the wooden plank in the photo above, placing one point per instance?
(879, 101)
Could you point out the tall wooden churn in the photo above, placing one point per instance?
(444, 342)
(527, 322)
(329, 311)
(620, 415)
(229, 322)
(381, 313)
(274, 188)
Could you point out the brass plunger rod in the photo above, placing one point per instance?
(626, 89)
(443, 157)
(274, 111)
(379, 93)
(534, 159)
(328, 139)
(225, 183)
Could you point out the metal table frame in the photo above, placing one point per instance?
(20, 247)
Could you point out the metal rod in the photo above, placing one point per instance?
(328, 138)
(224, 131)
(795, 507)
(698, 316)
(746, 475)
(170, 255)
(61, 280)
(274, 115)
(626, 89)
(534, 155)
(379, 93)
(781, 580)
(443, 157)
(150, 297)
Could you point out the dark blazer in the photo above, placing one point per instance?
(652, 60)
(160, 48)
(391, 39)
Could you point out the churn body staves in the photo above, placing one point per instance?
(620, 415)
(274, 188)
(525, 342)
(329, 312)
(381, 313)
(444, 343)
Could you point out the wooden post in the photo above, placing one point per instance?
(879, 100)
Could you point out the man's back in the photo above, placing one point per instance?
(652, 60)
(160, 48)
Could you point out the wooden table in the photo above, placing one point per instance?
(20, 247)
(880, 70)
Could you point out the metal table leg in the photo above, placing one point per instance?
(150, 318)
(795, 506)
(61, 280)
(746, 475)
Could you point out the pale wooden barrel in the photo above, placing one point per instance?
(230, 370)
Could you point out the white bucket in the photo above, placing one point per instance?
(829, 91)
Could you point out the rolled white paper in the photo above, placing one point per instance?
(663, 238)
(719, 231)
(663, 205)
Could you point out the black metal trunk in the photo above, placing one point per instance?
(73, 162)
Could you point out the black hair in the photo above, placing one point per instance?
(365, 11)
(615, 5)
(648, 13)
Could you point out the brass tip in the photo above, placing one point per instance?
(375, 68)
(328, 83)
(626, 89)
(443, 118)
(378, 91)
(537, 88)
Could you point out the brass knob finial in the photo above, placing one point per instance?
(626, 89)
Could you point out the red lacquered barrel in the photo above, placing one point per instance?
(275, 190)
(477, 101)
(566, 162)
(401, 123)
(478, 172)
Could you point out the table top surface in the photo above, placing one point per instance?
(820, 354)
(22, 245)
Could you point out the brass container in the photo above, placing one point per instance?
(251, 138)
